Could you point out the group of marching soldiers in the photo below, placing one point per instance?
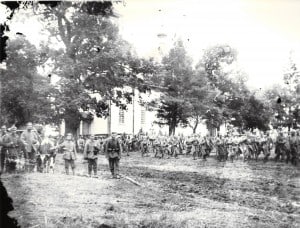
(13, 146)
(36, 150)
(286, 146)
(30, 145)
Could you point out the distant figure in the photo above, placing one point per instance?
(81, 143)
(113, 151)
(31, 141)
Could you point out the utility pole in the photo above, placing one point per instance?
(109, 120)
(133, 101)
(2, 67)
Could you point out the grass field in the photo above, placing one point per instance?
(173, 193)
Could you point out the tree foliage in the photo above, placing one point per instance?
(176, 74)
(94, 60)
(25, 94)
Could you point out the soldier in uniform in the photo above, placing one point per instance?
(175, 146)
(144, 146)
(90, 153)
(113, 151)
(196, 150)
(294, 148)
(70, 153)
(158, 147)
(189, 145)
(3, 149)
(13, 144)
(205, 147)
(81, 143)
(267, 146)
(220, 144)
(31, 141)
(280, 146)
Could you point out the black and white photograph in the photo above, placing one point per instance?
(150, 114)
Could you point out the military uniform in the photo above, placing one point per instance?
(113, 152)
(13, 144)
(294, 148)
(91, 151)
(195, 150)
(220, 144)
(280, 146)
(144, 146)
(189, 145)
(70, 155)
(81, 143)
(205, 148)
(31, 142)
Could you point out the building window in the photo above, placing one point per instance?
(143, 116)
(121, 116)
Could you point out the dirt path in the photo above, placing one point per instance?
(174, 193)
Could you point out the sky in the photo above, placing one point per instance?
(263, 31)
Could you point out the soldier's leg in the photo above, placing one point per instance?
(176, 152)
(32, 161)
(7, 164)
(26, 161)
(204, 156)
(288, 156)
(142, 150)
(72, 163)
(162, 152)
(95, 166)
(90, 166)
(156, 151)
(267, 154)
(277, 153)
(116, 166)
(67, 164)
(292, 157)
(111, 166)
(13, 165)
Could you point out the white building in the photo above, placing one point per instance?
(135, 119)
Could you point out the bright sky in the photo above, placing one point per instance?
(263, 31)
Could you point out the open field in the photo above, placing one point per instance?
(174, 193)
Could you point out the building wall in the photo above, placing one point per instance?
(122, 121)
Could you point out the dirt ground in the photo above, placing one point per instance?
(174, 193)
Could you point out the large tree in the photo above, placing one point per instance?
(94, 59)
(200, 96)
(283, 99)
(218, 64)
(25, 94)
(175, 76)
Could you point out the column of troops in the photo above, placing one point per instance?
(248, 146)
(36, 150)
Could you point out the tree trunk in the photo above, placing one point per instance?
(196, 125)
(72, 123)
(172, 127)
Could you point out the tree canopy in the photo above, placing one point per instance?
(25, 94)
